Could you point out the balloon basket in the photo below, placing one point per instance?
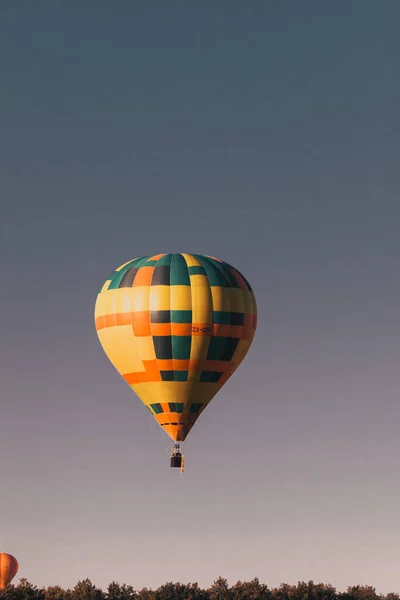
(177, 458)
(176, 461)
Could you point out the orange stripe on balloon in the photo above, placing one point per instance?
(181, 328)
(210, 365)
(123, 318)
(194, 365)
(203, 329)
(100, 323)
(163, 329)
(152, 370)
(110, 320)
(156, 257)
(234, 331)
(143, 377)
(248, 324)
(131, 378)
(223, 366)
(173, 364)
(143, 277)
(141, 323)
(142, 326)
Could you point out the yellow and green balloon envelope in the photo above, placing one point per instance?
(176, 326)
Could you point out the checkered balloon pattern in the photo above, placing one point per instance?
(176, 326)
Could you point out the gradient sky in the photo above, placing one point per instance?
(265, 133)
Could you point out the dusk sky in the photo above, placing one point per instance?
(267, 134)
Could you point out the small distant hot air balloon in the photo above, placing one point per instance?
(176, 327)
(8, 569)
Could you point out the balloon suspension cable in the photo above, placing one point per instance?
(177, 458)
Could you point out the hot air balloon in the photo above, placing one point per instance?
(8, 569)
(176, 327)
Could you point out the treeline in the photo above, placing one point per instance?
(220, 590)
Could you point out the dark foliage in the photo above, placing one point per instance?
(219, 590)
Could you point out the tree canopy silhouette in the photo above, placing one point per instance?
(219, 590)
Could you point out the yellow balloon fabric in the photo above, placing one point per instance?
(176, 326)
(8, 569)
